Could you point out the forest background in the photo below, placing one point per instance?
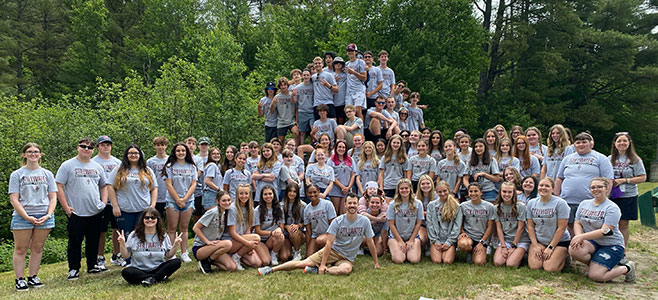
(137, 69)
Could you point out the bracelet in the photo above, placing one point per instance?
(628, 180)
(550, 247)
(513, 245)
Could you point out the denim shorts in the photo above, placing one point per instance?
(490, 195)
(18, 223)
(189, 204)
(208, 200)
(607, 256)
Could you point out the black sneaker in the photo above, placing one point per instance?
(34, 281)
(205, 266)
(148, 282)
(73, 275)
(96, 269)
(21, 285)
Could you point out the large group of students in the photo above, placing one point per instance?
(371, 177)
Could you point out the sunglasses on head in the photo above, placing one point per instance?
(86, 147)
(150, 218)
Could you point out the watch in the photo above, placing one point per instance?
(550, 247)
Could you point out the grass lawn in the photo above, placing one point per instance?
(405, 281)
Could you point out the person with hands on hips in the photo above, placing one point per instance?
(150, 249)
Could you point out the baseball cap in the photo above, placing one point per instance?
(103, 139)
(352, 47)
(204, 140)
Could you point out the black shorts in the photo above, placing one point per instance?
(198, 206)
(389, 193)
(371, 102)
(373, 138)
(160, 206)
(107, 217)
(330, 114)
(284, 130)
(628, 207)
(270, 133)
(340, 112)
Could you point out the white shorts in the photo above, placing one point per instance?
(356, 99)
(519, 245)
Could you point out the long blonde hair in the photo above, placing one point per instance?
(374, 160)
(450, 207)
(401, 153)
(562, 144)
(397, 200)
(420, 195)
(250, 205)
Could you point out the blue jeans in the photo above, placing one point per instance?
(127, 221)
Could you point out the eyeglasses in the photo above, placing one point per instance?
(32, 152)
(151, 218)
(86, 147)
(133, 153)
(500, 130)
(367, 56)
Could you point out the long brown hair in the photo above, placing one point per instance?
(562, 144)
(124, 170)
(401, 153)
(525, 157)
(159, 228)
(630, 153)
(267, 162)
(499, 200)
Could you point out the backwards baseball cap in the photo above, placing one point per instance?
(270, 86)
(352, 47)
(371, 184)
(103, 139)
(204, 140)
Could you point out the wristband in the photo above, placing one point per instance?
(550, 247)
(513, 245)
(628, 180)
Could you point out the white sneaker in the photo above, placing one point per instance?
(274, 258)
(100, 262)
(360, 251)
(297, 256)
(185, 257)
(236, 258)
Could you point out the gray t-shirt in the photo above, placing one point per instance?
(342, 173)
(321, 93)
(213, 171)
(545, 216)
(318, 216)
(405, 219)
(538, 149)
(134, 195)
(290, 219)
(592, 217)
(199, 162)
(107, 164)
(32, 187)
(181, 176)
(393, 171)
(232, 220)
(305, 97)
(251, 163)
(359, 125)
(509, 161)
(349, 235)
(491, 168)
(450, 172)
(374, 78)
(553, 161)
(157, 164)
(381, 123)
(354, 84)
(150, 254)
(270, 117)
(82, 183)
(321, 177)
(438, 230)
(535, 167)
(421, 166)
(233, 178)
(213, 226)
(261, 183)
(341, 81)
(476, 218)
(369, 172)
(328, 127)
(389, 78)
(623, 168)
(285, 110)
(415, 118)
(287, 173)
(378, 227)
(268, 224)
(578, 170)
(509, 222)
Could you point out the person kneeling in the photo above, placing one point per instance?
(345, 235)
(150, 250)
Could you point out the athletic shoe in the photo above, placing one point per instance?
(359, 251)
(149, 281)
(73, 275)
(185, 257)
(100, 261)
(118, 260)
(311, 270)
(274, 258)
(205, 266)
(21, 285)
(236, 258)
(262, 271)
(630, 275)
(297, 255)
(96, 270)
(34, 281)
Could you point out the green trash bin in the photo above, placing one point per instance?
(647, 203)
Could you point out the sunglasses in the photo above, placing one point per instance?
(381, 102)
(150, 218)
(405, 135)
(86, 147)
